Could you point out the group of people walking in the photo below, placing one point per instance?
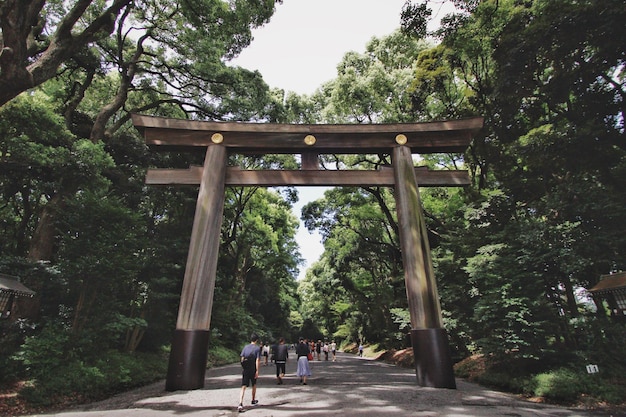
(325, 348)
(251, 361)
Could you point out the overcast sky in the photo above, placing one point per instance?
(299, 49)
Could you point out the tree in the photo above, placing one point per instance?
(359, 276)
(73, 128)
(563, 103)
(97, 80)
(548, 77)
(39, 156)
(373, 87)
(357, 288)
(31, 55)
(101, 254)
(40, 37)
(258, 265)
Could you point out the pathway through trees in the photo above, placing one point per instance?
(351, 386)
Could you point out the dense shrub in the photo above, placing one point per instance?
(111, 373)
(12, 335)
(56, 383)
(568, 386)
(560, 385)
(502, 380)
(609, 391)
(556, 380)
(219, 355)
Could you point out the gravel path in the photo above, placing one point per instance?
(350, 387)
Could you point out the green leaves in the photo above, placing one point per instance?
(353, 288)
(258, 265)
(414, 18)
(372, 87)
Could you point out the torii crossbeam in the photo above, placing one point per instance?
(187, 365)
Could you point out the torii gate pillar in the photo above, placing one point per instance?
(433, 362)
(188, 357)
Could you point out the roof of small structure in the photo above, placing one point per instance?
(610, 283)
(11, 285)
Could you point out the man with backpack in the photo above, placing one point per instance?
(250, 362)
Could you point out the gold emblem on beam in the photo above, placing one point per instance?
(401, 139)
(309, 140)
(217, 138)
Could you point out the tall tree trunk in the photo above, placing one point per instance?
(86, 299)
(42, 243)
(572, 306)
(134, 335)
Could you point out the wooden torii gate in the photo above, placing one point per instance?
(187, 363)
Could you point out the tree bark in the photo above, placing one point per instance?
(42, 243)
(572, 306)
(20, 21)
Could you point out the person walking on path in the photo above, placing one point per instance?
(266, 353)
(361, 350)
(281, 353)
(304, 369)
(333, 350)
(250, 362)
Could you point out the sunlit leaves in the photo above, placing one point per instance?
(373, 87)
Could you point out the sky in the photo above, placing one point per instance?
(299, 49)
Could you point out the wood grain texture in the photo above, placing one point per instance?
(267, 178)
(258, 138)
(421, 287)
(196, 301)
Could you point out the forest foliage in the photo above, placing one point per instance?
(514, 253)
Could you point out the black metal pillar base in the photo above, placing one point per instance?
(187, 365)
(433, 362)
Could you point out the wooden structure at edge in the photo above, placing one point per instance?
(187, 364)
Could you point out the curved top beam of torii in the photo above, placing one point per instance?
(309, 141)
(258, 138)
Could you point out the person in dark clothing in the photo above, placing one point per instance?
(281, 354)
(250, 362)
(304, 369)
